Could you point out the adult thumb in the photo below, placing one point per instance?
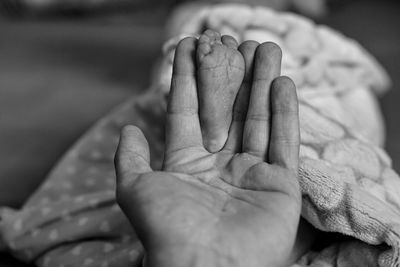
(133, 156)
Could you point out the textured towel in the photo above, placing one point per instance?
(347, 183)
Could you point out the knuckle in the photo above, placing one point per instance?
(286, 140)
(173, 109)
(285, 110)
(257, 117)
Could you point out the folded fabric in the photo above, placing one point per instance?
(348, 185)
(73, 218)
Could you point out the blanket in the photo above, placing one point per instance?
(348, 185)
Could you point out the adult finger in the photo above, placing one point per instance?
(285, 133)
(183, 126)
(257, 126)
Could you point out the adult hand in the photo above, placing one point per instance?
(239, 206)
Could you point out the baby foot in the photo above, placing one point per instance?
(220, 71)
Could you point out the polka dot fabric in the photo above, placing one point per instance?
(73, 218)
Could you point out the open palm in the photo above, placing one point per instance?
(239, 206)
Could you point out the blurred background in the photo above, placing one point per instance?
(66, 63)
